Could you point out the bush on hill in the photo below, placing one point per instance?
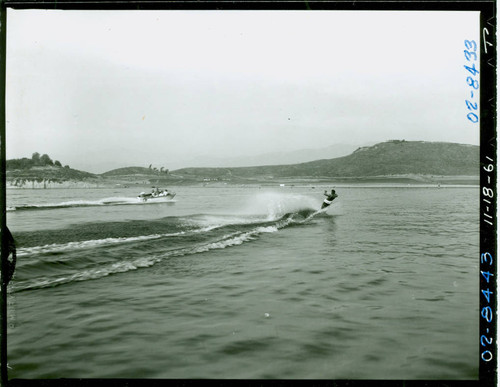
(35, 161)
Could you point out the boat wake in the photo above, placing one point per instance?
(48, 261)
(113, 201)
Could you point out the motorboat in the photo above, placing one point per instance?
(156, 196)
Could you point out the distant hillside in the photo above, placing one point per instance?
(388, 158)
(46, 175)
(138, 175)
(129, 171)
(41, 168)
(275, 158)
(394, 161)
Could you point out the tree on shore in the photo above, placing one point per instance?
(23, 163)
(36, 158)
(35, 161)
(46, 160)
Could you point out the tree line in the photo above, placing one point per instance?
(161, 170)
(35, 161)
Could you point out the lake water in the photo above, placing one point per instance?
(245, 282)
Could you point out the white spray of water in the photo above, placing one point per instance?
(275, 205)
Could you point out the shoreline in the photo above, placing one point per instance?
(139, 182)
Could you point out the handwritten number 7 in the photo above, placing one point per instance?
(486, 43)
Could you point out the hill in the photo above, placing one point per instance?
(130, 171)
(391, 161)
(41, 169)
(275, 158)
(383, 159)
(47, 175)
(129, 175)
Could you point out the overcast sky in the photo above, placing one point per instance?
(104, 89)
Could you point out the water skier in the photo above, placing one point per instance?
(329, 198)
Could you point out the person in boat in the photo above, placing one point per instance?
(329, 198)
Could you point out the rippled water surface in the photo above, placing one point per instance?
(245, 283)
